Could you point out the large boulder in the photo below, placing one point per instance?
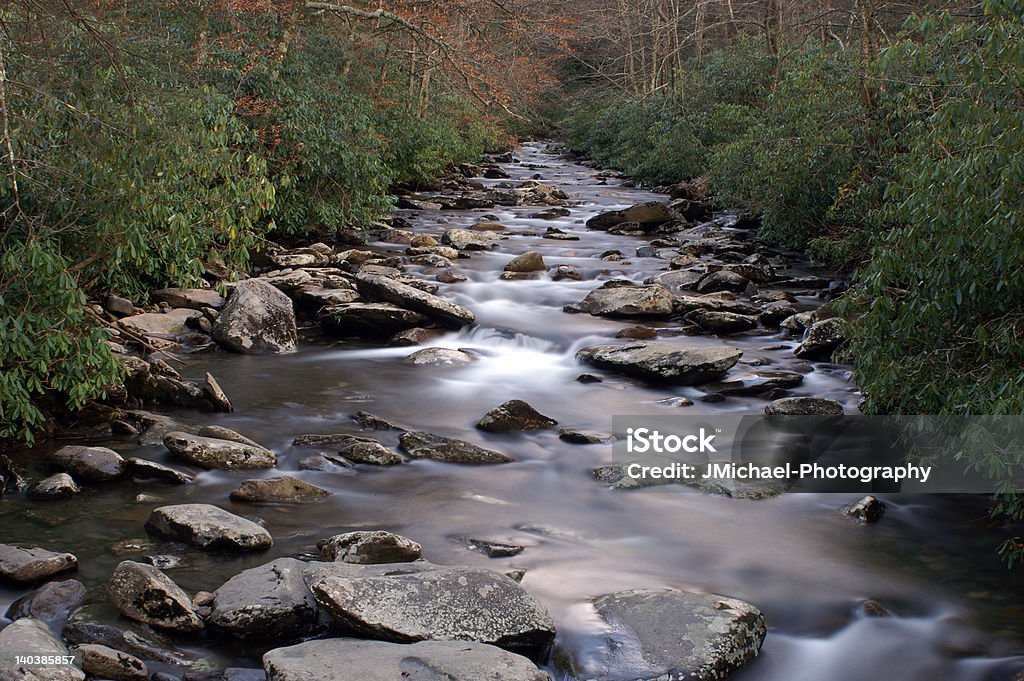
(370, 548)
(92, 464)
(208, 527)
(678, 363)
(29, 636)
(33, 564)
(373, 320)
(421, 445)
(376, 287)
(619, 298)
(349, 658)
(514, 415)
(666, 635)
(822, 339)
(209, 452)
(648, 215)
(408, 602)
(142, 593)
(266, 602)
(258, 318)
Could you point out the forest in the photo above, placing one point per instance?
(832, 187)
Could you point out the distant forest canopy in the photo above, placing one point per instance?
(142, 143)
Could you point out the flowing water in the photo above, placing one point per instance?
(930, 560)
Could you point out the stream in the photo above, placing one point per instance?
(930, 561)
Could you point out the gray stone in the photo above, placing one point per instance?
(374, 320)
(266, 602)
(92, 464)
(348, 658)
(382, 289)
(620, 298)
(678, 282)
(647, 215)
(584, 437)
(804, 406)
(865, 510)
(59, 486)
(721, 322)
(50, 603)
(678, 363)
(368, 421)
(313, 297)
(822, 339)
(257, 319)
(104, 662)
(222, 433)
(669, 635)
(467, 240)
(166, 325)
(208, 527)
(282, 490)
(190, 298)
(715, 302)
(145, 594)
(115, 304)
(30, 636)
(422, 445)
(514, 415)
(722, 281)
(418, 601)
(365, 450)
(531, 261)
(439, 357)
(370, 548)
(491, 549)
(219, 454)
(141, 468)
(33, 564)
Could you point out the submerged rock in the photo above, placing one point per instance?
(266, 602)
(214, 453)
(33, 564)
(418, 601)
(531, 261)
(677, 363)
(349, 658)
(669, 635)
(514, 415)
(439, 357)
(421, 445)
(208, 527)
(145, 594)
(257, 319)
(370, 548)
(368, 451)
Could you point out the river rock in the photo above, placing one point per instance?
(678, 363)
(514, 415)
(171, 324)
(141, 468)
(584, 437)
(88, 624)
(116, 305)
(866, 510)
(92, 464)
(209, 452)
(189, 298)
(368, 451)
(418, 601)
(59, 486)
(370, 548)
(774, 313)
(266, 602)
(679, 282)
(619, 298)
(648, 215)
(822, 339)
(715, 302)
(145, 594)
(491, 549)
(421, 445)
(258, 318)
(374, 320)
(33, 564)
(531, 261)
(439, 357)
(348, 658)
(50, 603)
(282, 490)
(387, 290)
(467, 240)
(722, 281)
(30, 636)
(721, 322)
(804, 406)
(208, 527)
(103, 662)
(665, 635)
(368, 421)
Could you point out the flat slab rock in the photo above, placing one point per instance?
(678, 363)
(281, 490)
(405, 602)
(421, 445)
(670, 635)
(208, 452)
(33, 564)
(208, 527)
(265, 602)
(375, 287)
(347, 658)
